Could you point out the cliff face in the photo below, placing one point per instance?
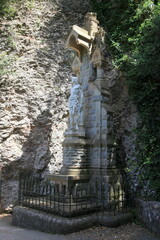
(125, 119)
(34, 92)
(35, 88)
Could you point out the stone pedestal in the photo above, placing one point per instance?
(75, 167)
(75, 152)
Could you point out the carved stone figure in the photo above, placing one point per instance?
(75, 104)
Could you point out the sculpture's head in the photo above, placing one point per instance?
(74, 79)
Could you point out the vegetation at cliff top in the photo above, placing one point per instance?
(9, 8)
(133, 34)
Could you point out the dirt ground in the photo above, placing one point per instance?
(125, 232)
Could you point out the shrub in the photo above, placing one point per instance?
(133, 33)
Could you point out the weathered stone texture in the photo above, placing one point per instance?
(33, 219)
(33, 99)
(125, 119)
(149, 214)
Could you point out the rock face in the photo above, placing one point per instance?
(125, 119)
(34, 91)
(34, 94)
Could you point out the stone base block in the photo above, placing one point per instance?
(149, 213)
(34, 219)
(68, 182)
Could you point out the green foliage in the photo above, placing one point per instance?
(133, 34)
(10, 8)
(7, 9)
(5, 66)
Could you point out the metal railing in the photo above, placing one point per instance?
(36, 193)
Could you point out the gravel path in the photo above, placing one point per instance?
(127, 232)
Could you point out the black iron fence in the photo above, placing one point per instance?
(36, 193)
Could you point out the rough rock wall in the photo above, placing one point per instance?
(125, 119)
(33, 98)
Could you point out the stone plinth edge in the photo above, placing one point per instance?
(149, 213)
(34, 219)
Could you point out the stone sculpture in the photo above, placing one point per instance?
(88, 147)
(75, 104)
